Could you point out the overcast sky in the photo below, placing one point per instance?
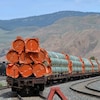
(10, 9)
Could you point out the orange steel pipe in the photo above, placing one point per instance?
(12, 56)
(18, 45)
(32, 45)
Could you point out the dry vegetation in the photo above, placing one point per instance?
(77, 36)
(74, 35)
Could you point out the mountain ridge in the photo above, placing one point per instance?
(74, 35)
(41, 20)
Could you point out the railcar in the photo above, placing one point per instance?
(62, 70)
(32, 67)
(2, 68)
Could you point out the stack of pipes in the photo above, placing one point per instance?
(59, 63)
(26, 58)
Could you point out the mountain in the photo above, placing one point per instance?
(77, 36)
(74, 33)
(39, 21)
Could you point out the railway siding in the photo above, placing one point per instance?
(82, 87)
(71, 95)
(94, 86)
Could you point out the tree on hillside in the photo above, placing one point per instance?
(92, 58)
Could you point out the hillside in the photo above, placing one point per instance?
(74, 35)
(77, 33)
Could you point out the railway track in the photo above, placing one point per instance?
(94, 88)
(42, 96)
(17, 96)
(7, 94)
(82, 87)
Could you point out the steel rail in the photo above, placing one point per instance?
(81, 87)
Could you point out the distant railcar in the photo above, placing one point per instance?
(2, 68)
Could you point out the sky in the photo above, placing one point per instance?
(10, 9)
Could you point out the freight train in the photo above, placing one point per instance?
(31, 67)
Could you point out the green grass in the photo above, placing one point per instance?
(7, 38)
(0, 85)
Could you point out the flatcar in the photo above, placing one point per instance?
(63, 69)
(30, 70)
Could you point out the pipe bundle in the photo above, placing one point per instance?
(26, 58)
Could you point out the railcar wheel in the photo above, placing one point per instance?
(49, 82)
(71, 78)
(36, 89)
(41, 87)
(64, 80)
(24, 91)
(13, 89)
